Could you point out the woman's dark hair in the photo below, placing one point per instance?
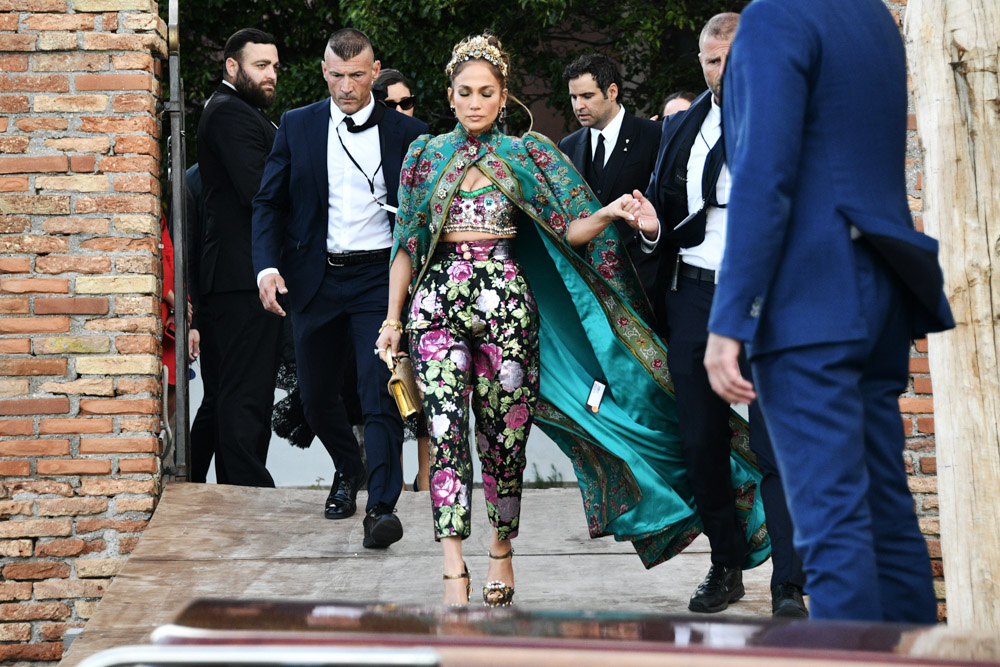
(386, 78)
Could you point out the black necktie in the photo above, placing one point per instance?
(377, 112)
(599, 159)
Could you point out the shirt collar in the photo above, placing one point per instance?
(226, 83)
(610, 131)
(714, 117)
(360, 117)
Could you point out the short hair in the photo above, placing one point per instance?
(386, 78)
(604, 70)
(347, 43)
(720, 26)
(679, 95)
(240, 38)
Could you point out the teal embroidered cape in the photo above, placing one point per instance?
(627, 457)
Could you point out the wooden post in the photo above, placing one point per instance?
(953, 58)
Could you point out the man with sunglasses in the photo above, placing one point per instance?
(394, 91)
(688, 195)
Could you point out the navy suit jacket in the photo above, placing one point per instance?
(291, 210)
(814, 115)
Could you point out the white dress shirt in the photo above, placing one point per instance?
(355, 221)
(708, 254)
(610, 132)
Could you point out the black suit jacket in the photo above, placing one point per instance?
(234, 140)
(291, 214)
(628, 168)
(668, 187)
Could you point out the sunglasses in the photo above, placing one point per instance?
(405, 103)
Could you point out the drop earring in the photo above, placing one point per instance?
(453, 112)
(503, 114)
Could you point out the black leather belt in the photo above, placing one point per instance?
(360, 257)
(696, 273)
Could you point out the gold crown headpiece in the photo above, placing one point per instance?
(476, 48)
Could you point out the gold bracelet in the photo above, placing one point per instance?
(395, 324)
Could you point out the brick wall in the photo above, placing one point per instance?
(79, 306)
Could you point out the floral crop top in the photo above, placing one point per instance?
(484, 210)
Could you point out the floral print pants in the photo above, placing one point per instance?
(474, 335)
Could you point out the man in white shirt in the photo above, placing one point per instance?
(322, 228)
(688, 195)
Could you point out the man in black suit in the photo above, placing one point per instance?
(234, 139)
(322, 226)
(691, 183)
(614, 150)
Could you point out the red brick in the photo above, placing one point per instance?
(17, 427)
(82, 163)
(33, 83)
(12, 508)
(143, 386)
(15, 591)
(34, 205)
(137, 345)
(71, 547)
(114, 82)
(14, 183)
(35, 124)
(44, 487)
(22, 165)
(14, 104)
(120, 244)
(119, 125)
(17, 43)
(65, 264)
(34, 285)
(68, 225)
(14, 224)
(14, 63)
(145, 505)
(14, 145)
(118, 406)
(137, 183)
(921, 345)
(15, 265)
(15, 346)
(38, 570)
(134, 61)
(15, 468)
(75, 426)
(69, 62)
(922, 386)
(76, 305)
(72, 588)
(928, 465)
(34, 611)
(23, 367)
(119, 445)
(133, 102)
(137, 264)
(916, 405)
(72, 506)
(96, 486)
(32, 366)
(143, 465)
(925, 424)
(126, 545)
(48, 651)
(18, 325)
(109, 22)
(15, 306)
(148, 325)
(36, 528)
(53, 632)
(73, 467)
(117, 204)
(920, 365)
(8, 22)
(35, 406)
(141, 163)
(59, 22)
(139, 424)
(91, 525)
(34, 448)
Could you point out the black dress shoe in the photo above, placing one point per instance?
(382, 527)
(721, 586)
(341, 503)
(786, 602)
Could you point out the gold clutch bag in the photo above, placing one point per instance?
(403, 385)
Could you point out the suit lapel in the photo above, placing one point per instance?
(317, 135)
(624, 148)
(390, 136)
(581, 153)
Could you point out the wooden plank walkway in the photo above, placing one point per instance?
(210, 541)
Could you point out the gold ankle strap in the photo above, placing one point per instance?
(504, 557)
(464, 575)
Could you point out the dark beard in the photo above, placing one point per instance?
(252, 92)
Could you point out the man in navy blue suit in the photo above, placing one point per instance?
(322, 227)
(825, 282)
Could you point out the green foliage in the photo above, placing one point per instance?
(656, 43)
(554, 479)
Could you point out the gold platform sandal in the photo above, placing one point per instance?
(497, 593)
(468, 586)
